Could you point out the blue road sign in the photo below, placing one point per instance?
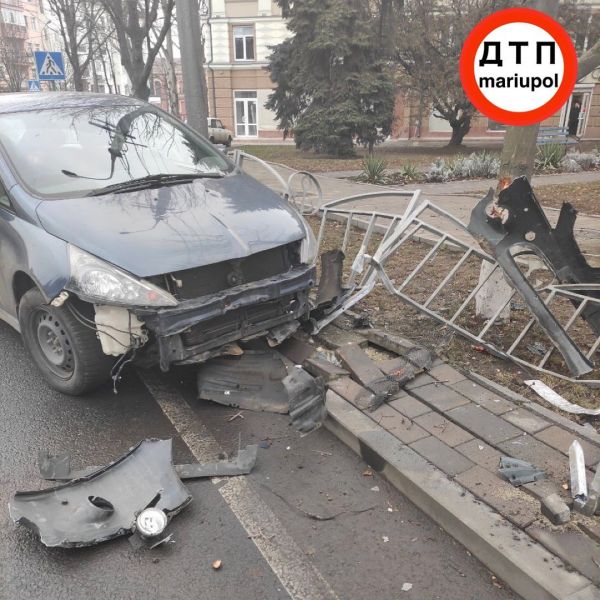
(33, 85)
(50, 65)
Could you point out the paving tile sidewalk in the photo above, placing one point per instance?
(463, 428)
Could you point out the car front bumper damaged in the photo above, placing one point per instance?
(202, 328)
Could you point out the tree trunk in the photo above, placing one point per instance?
(77, 78)
(192, 63)
(460, 128)
(518, 154)
(171, 76)
(518, 159)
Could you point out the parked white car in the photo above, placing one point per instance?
(218, 134)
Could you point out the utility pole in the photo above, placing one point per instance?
(192, 63)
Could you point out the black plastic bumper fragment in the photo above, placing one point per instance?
(104, 504)
(57, 467)
(528, 227)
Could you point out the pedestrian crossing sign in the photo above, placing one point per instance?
(33, 85)
(50, 65)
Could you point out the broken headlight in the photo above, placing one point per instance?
(99, 281)
(309, 248)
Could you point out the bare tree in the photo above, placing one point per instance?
(429, 40)
(169, 71)
(134, 22)
(79, 25)
(14, 62)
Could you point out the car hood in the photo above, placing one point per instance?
(150, 232)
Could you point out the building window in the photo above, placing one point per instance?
(243, 42)
(157, 88)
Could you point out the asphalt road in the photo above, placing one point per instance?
(266, 528)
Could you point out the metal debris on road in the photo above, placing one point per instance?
(579, 489)
(519, 472)
(237, 415)
(548, 394)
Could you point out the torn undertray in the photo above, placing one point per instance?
(264, 381)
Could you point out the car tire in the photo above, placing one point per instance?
(67, 352)
(228, 142)
(211, 139)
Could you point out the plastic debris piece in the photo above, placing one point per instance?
(519, 472)
(406, 587)
(548, 394)
(217, 564)
(104, 505)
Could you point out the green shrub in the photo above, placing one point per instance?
(549, 156)
(477, 165)
(373, 169)
(409, 172)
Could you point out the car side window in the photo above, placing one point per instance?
(4, 199)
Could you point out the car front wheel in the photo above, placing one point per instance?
(64, 347)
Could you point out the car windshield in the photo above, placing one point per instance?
(74, 151)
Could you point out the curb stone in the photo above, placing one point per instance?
(526, 566)
(584, 432)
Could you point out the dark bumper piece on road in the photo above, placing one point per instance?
(58, 467)
(252, 381)
(306, 399)
(104, 504)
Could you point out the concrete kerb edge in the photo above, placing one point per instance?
(526, 566)
(564, 422)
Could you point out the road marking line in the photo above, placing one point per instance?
(298, 576)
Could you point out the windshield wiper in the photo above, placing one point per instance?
(154, 181)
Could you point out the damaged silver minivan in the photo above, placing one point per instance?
(126, 235)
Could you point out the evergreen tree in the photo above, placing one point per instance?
(334, 87)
